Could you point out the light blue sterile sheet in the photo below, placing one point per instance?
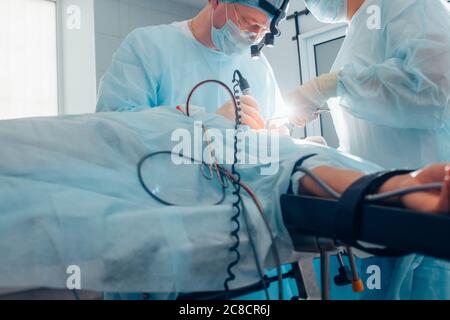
(69, 195)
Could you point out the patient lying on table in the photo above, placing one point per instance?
(70, 195)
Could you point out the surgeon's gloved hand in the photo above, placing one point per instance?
(249, 115)
(310, 99)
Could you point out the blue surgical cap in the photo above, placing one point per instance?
(255, 3)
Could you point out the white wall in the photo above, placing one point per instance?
(77, 90)
(283, 56)
(114, 19)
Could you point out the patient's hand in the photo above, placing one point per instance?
(430, 201)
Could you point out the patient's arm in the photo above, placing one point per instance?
(430, 201)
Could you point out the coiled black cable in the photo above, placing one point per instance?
(235, 179)
(237, 187)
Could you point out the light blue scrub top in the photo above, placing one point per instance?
(394, 84)
(394, 110)
(159, 65)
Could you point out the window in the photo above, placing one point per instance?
(319, 49)
(28, 59)
(325, 53)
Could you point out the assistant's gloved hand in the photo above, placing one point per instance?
(249, 115)
(308, 100)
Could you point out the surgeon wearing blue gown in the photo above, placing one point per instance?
(389, 96)
(159, 65)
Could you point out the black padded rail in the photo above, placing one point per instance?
(394, 228)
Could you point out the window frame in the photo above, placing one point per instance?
(59, 53)
(308, 43)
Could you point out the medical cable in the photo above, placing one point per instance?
(232, 177)
(225, 174)
(403, 192)
(274, 247)
(375, 197)
(228, 174)
(357, 284)
(156, 197)
(237, 192)
(255, 253)
(319, 182)
(75, 295)
(344, 277)
(239, 80)
(213, 165)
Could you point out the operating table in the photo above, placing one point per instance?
(108, 188)
(311, 222)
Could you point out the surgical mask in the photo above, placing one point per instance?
(328, 11)
(230, 39)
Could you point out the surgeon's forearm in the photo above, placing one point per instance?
(410, 109)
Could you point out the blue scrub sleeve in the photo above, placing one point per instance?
(411, 88)
(128, 85)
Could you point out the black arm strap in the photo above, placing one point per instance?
(349, 210)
